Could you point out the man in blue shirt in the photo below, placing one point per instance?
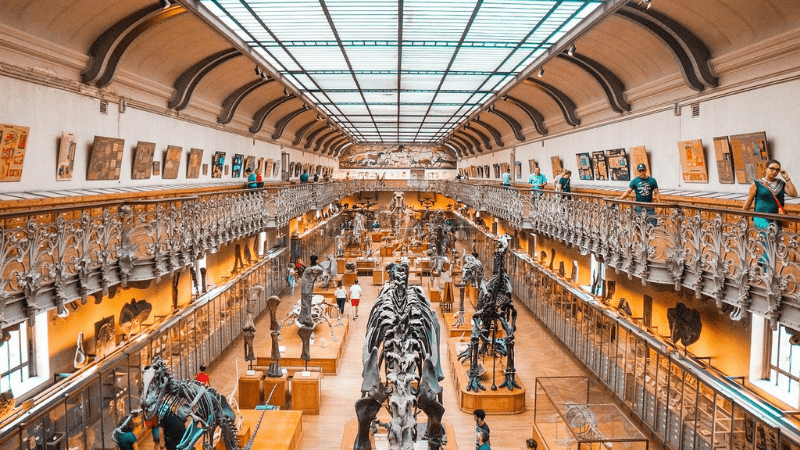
(251, 178)
(304, 177)
(507, 178)
(646, 188)
(537, 180)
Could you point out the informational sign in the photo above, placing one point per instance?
(13, 143)
(172, 162)
(66, 157)
(724, 156)
(750, 156)
(693, 161)
(105, 158)
(143, 160)
(600, 165)
(619, 169)
(639, 156)
(555, 162)
(584, 166)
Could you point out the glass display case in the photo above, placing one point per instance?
(79, 412)
(574, 413)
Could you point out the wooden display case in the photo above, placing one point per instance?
(251, 390)
(306, 392)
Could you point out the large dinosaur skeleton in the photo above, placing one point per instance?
(403, 337)
(203, 406)
(472, 275)
(495, 309)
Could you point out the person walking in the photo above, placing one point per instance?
(483, 441)
(341, 296)
(646, 189)
(563, 182)
(355, 297)
(290, 278)
(481, 429)
(202, 376)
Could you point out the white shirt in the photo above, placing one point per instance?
(355, 291)
(340, 293)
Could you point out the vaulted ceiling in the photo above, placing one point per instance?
(306, 74)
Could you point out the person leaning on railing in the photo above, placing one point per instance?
(646, 189)
(769, 193)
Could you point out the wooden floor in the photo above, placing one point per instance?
(537, 354)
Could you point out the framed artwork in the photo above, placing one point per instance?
(172, 162)
(276, 169)
(298, 169)
(260, 166)
(193, 165)
(217, 163)
(532, 164)
(250, 161)
(555, 162)
(291, 168)
(143, 160)
(693, 161)
(157, 168)
(236, 166)
(619, 170)
(517, 170)
(600, 165)
(226, 169)
(268, 167)
(584, 166)
(496, 168)
(639, 156)
(13, 144)
(66, 156)
(105, 159)
(722, 151)
(205, 169)
(486, 172)
(750, 156)
(480, 171)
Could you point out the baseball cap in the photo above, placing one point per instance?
(641, 167)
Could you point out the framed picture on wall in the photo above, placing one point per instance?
(584, 166)
(268, 167)
(486, 172)
(193, 165)
(13, 145)
(205, 169)
(750, 156)
(105, 158)
(518, 170)
(236, 165)
(619, 169)
(532, 164)
(276, 169)
(143, 160)
(724, 156)
(217, 164)
(260, 166)
(292, 164)
(600, 165)
(172, 162)
(496, 168)
(693, 161)
(66, 157)
(156, 168)
(555, 163)
(639, 156)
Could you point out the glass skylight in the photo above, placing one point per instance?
(391, 75)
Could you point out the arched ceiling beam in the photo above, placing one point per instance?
(334, 144)
(566, 104)
(298, 136)
(611, 84)
(281, 124)
(313, 135)
(492, 130)
(341, 149)
(481, 135)
(185, 84)
(470, 142)
(106, 52)
(533, 114)
(693, 55)
(461, 148)
(453, 148)
(232, 101)
(261, 114)
(323, 142)
(512, 122)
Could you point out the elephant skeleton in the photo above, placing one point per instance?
(403, 337)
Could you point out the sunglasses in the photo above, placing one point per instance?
(774, 168)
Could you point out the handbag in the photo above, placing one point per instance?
(781, 211)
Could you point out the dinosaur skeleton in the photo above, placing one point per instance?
(329, 271)
(403, 336)
(318, 315)
(472, 275)
(495, 309)
(206, 409)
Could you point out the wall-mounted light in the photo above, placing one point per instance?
(505, 97)
(285, 92)
(541, 72)
(647, 3)
(164, 3)
(571, 51)
(258, 71)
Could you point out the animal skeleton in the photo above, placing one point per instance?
(472, 275)
(318, 315)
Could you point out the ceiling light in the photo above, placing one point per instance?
(571, 51)
(541, 72)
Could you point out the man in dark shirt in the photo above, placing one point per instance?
(646, 189)
(480, 426)
(173, 430)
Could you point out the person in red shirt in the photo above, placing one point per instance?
(203, 376)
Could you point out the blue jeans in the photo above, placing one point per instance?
(650, 212)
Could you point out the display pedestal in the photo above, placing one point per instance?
(279, 430)
(377, 277)
(279, 396)
(501, 401)
(242, 437)
(306, 392)
(465, 330)
(327, 358)
(365, 267)
(251, 390)
(340, 265)
(351, 430)
(471, 294)
(328, 292)
(350, 278)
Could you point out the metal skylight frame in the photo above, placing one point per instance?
(400, 71)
